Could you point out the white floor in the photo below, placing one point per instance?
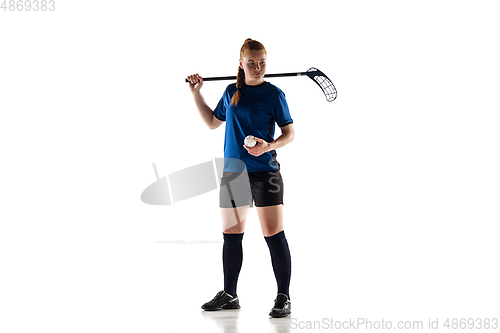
(202, 271)
(243, 320)
(142, 273)
(328, 289)
(130, 279)
(256, 290)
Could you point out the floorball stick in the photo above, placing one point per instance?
(314, 74)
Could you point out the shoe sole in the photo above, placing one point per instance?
(279, 315)
(224, 307)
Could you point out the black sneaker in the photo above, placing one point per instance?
(282, 307)
(222, 301)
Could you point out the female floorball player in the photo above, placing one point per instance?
(251, 107)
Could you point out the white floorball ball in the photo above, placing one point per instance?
(250, 141)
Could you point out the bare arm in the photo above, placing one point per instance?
(206, 113)
(287, 136)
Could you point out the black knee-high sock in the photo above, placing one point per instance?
(281, 260)
(232, 258)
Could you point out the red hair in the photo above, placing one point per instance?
(248, 45)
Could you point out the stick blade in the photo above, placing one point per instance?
(323, 82)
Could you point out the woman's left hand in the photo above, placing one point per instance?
(260, 148)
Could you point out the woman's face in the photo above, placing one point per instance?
(254, 65)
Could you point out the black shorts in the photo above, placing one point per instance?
(265, 188)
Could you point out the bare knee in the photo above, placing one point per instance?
(236, 229)
(271, 219)
(268, 232)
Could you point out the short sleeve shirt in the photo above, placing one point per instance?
(259, 109)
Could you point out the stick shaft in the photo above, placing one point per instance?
(219, 78)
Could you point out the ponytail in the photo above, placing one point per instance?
(240, 81)
(248, 45)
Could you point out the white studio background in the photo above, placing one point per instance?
(392, 190)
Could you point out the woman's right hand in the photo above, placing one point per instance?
(195, 82)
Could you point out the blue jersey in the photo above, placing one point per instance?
(259, 108)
